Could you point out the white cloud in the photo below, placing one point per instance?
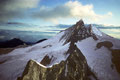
(12, 5)
(71, 9)
(110, 14)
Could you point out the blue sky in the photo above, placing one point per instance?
(52, 12)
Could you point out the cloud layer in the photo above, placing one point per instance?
(12, 9)
(71, 9)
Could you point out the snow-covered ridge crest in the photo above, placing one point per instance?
(96, 31)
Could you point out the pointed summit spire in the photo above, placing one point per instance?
(76, 32)
(80, 23)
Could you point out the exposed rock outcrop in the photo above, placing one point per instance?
(116, 59)
(107, 44)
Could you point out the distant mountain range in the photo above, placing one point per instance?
(11, 43)
(16, 42)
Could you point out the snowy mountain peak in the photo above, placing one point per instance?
(79, 24)
(77, 32)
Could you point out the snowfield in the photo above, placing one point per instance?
(99, 60)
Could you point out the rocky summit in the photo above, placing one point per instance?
(81, 52)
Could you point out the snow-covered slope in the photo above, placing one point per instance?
(99, 60)
(85, 37)
(15, 62)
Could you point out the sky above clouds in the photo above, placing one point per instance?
(37, 19)
(52, 12)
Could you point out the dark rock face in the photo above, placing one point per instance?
(107, 44)
(116, 59)
(46, 60)
(73, 68)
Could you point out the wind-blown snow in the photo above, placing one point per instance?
(96, 31)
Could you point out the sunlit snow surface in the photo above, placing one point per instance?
(96, 31)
